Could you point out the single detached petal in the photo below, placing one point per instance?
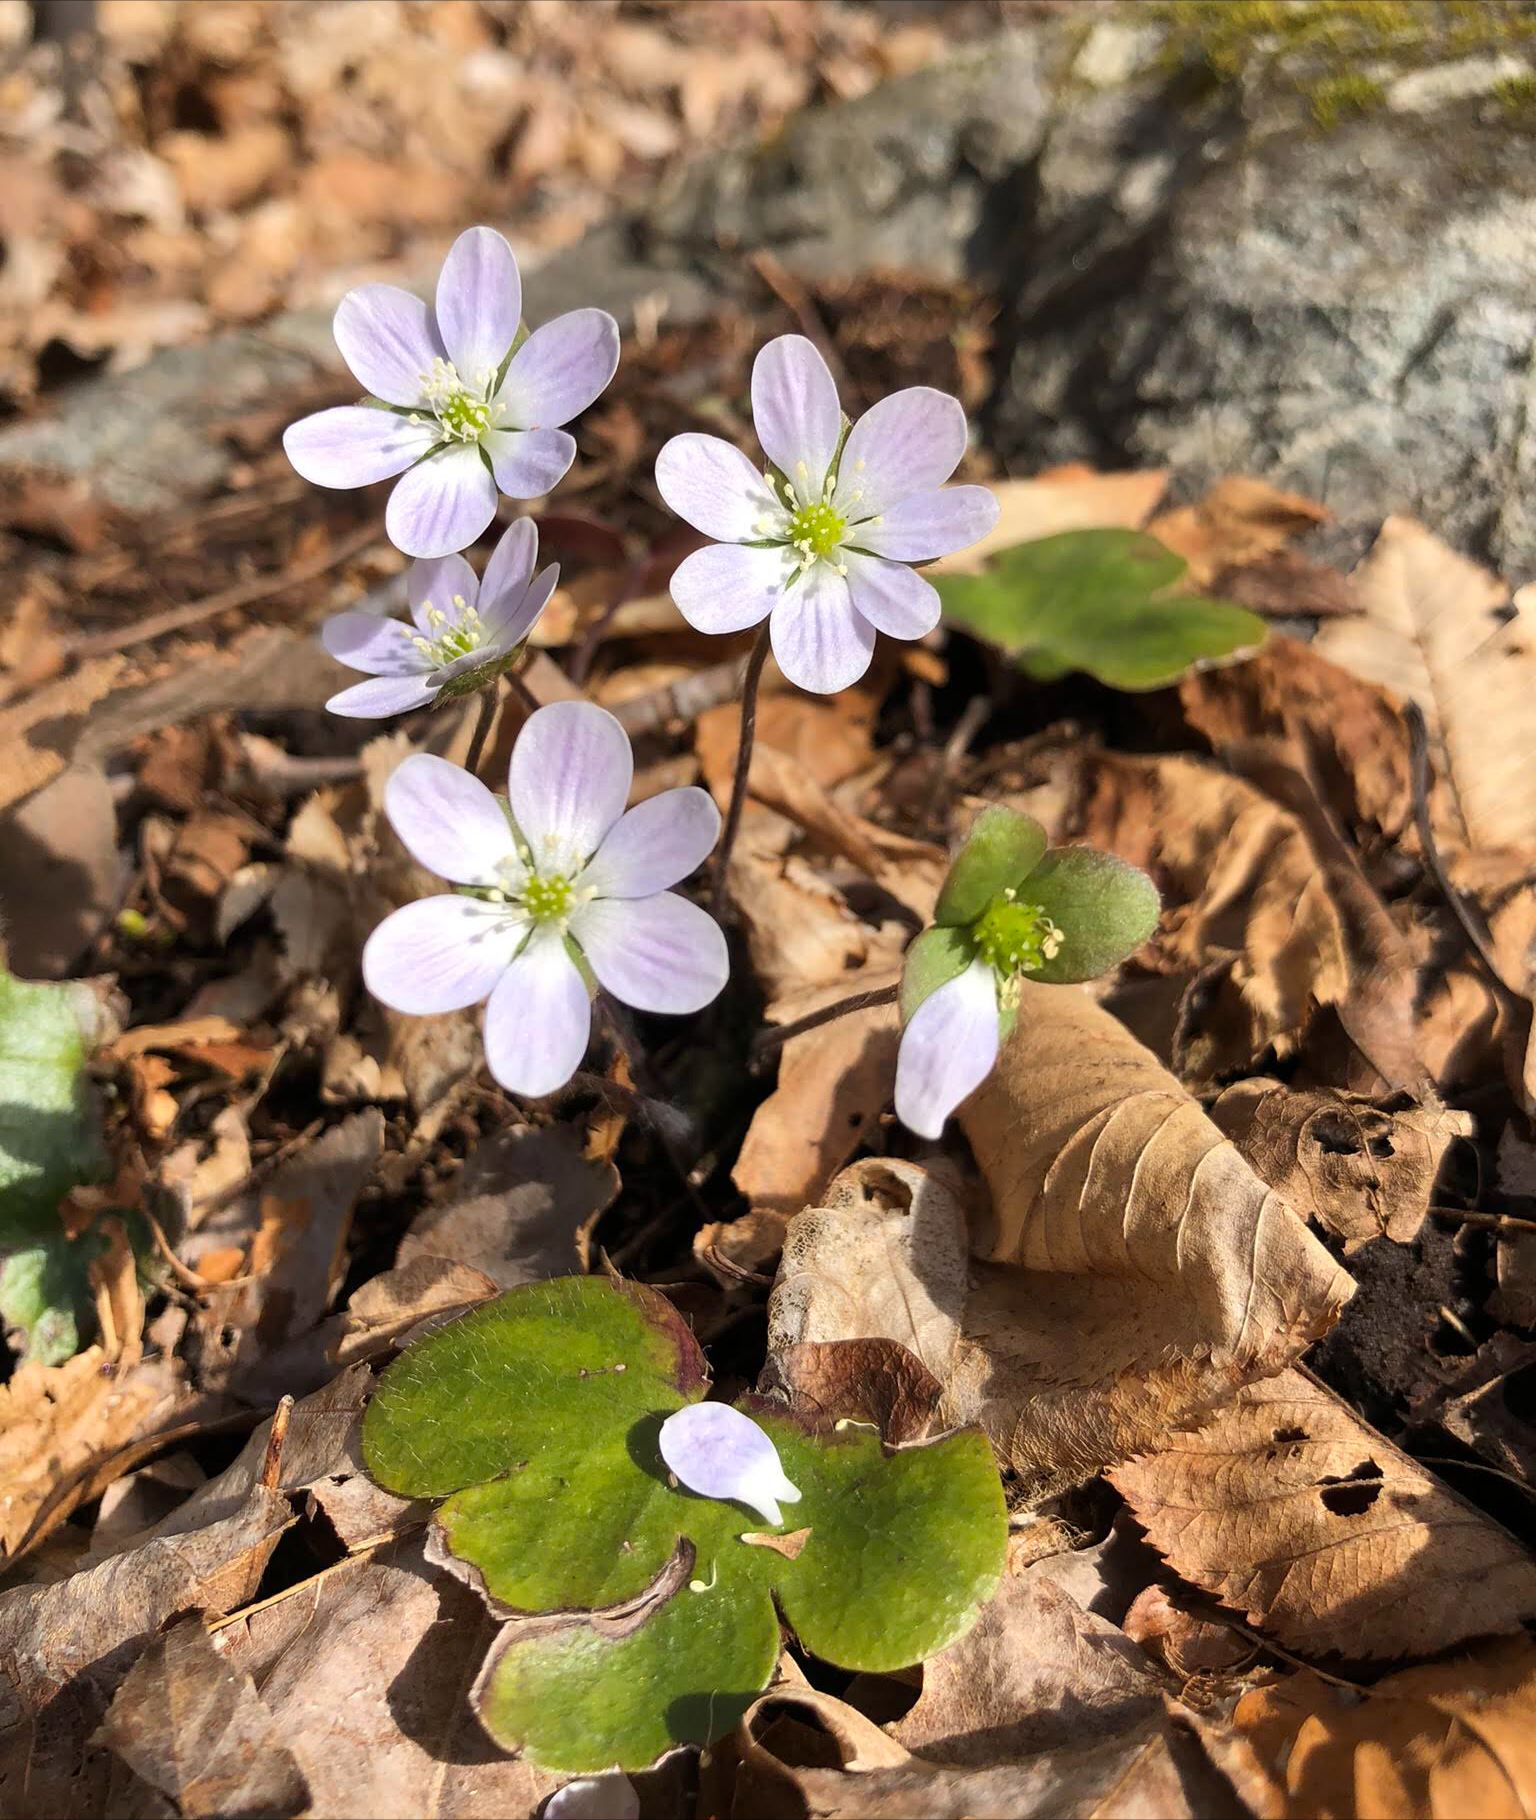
(730, 586)
(381, 647)
(560, 369)
(479, 305)
(435, 583)
(539, 1020)
(821, 641)
(947, 1050)
(657, 953)
(529, 463)
(510, 621)
(655, 844)
(512, 563)
(891, 597)
(795, 412)
(442, 504)
(712, 485)
(440, 954)
(907, 443)
(721, 1452)
(449, 822)
(610, 1796)
(355, 445)
(925, 525)
(387, 338)
(570, 775)
(382, 696)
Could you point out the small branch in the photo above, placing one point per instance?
(1495, 1222)
(271, 1473)
(487, 716)
(766, 1041)
(749, 687)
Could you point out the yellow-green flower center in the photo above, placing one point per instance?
(463, 412)
(1014, 938)
(445, 642)
(816, 530)
(548, 899)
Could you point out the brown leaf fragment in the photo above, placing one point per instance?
(1240, 520)
(63, 842)
(871, 1380)
(1290, 1509)
(791, 1546)
(1287, 585)
(1185, 1643)
(196, 1729)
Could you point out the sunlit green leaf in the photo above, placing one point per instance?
(1000, 849)
(1103, 908)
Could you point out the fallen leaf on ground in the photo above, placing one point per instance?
(1238, 521)
(1067, 499)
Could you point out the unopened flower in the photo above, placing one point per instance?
(453, 409)
(561, 887)
(462, 635)
(720, 1452)
(821, 539)
(1008, 911)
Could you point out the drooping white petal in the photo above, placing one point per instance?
(560, 369)
(442, 504)
(711, 484)
(891, 596)
(658, 953)
(512, 562)
(382, 696)
(727, 587)
(539, 1020)
(435, 582)
(720, 1452)
(907, 443)
(354, 445)
(378, 647)
(529, 463)
(448, 821)
(925, 525)
(947, 1049)
(388, 339)
(479, 304)
(822, 643)
(440, 954)
(795, 412)
(655, 844)
(569, 779)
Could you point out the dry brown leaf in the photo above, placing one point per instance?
(1290, 1509)
(831, 743)
(1238, 521)
(1066, 500)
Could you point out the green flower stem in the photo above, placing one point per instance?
(766, 1041)
(749, 688)
(487, 716)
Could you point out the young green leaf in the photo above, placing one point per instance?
(50, 1132)
(937, 956)
(1103, 908)
(1000, 849)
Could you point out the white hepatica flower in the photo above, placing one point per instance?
(720, 1452)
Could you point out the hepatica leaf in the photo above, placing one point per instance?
(1098, 601)
(562, 1504)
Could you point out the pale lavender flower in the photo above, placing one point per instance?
(561, 887)
(821, 540)
(452, 413)
(720, 1452)
(463, 632)
(949, 1047)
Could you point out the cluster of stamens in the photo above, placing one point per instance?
(451, 639)
(463, 411)
(547, 900)
(1014, 938)
(814, 526)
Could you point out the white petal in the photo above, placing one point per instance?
(712, 485)
(442, 504)
(388, 339)
(720, 1452)
(479, 304)
(434, 582)
(374, 645)
(653, 845)
(905, 444)
(354, 445)
(539, 1020)
(440, 954)
(890, 596)
(821, 642)
(947, 1050)
(512, 562)
(512, 618)
(529, 463)
(924, 525)
(382, 696)
(448, 821)
(795, 412)
(657, 953)
(560, 369)
(569, 780)
(727, 587)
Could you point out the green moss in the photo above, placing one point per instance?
(1341, 96)
(1516, 93)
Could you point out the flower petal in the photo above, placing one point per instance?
(354, 445)
(821, 641)
(440, 954)
(381, 647)
(658, 953)
(434, 583)
(712, 485)
(609, 1796)
(905, 444)
(512, 563)
(388, 339)
(539, 1020)
(730, 586)
(720, 1452)
(947, 1050)
(529, 463)
(479, 304)
(442, 504)
(570, 775)
(655, 844)
(795, 412)
(513, 618)
(382, 696)
(448, 821)
(890, 596)
(560, 369)
(925, 525)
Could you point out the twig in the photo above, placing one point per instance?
(271, 1472)
(587, 650)
(1497, 1472)
(766, 1041)
(483, 723)
(683, 700)
(749, 687)
(955, 747)
(797, 300)
(528, 701)
(370, 1545)
(1495, 1221)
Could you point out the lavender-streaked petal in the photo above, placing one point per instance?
(795, 412)
(387, 338)
(479, 304)
(720, 1452)
(560, 369)
(435, 582)
(539, 1020)
(354, 445)
(890, 596)
(925, 525)
(448, 821)
(381, 647)
(529, 463)
(947, 1050)
(658, 953)
(822, 643)
(382, 696)
(907, 443)
(440, 954)
(711, 484)
(510, 621)
(442, 504)
(569, 779)
(653, 845)
(730, 586)
(511, 563)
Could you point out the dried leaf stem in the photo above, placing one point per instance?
(749, 687)
(487, 700)
(766, 1041)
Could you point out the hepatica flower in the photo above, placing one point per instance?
(561, 888)
(454, 410)
(720, 1452)
(463, 633)
(1009, 911)
(818, 543)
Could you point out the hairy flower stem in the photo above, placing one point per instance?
(749, 687)
(483, 723)
(767, 1041)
